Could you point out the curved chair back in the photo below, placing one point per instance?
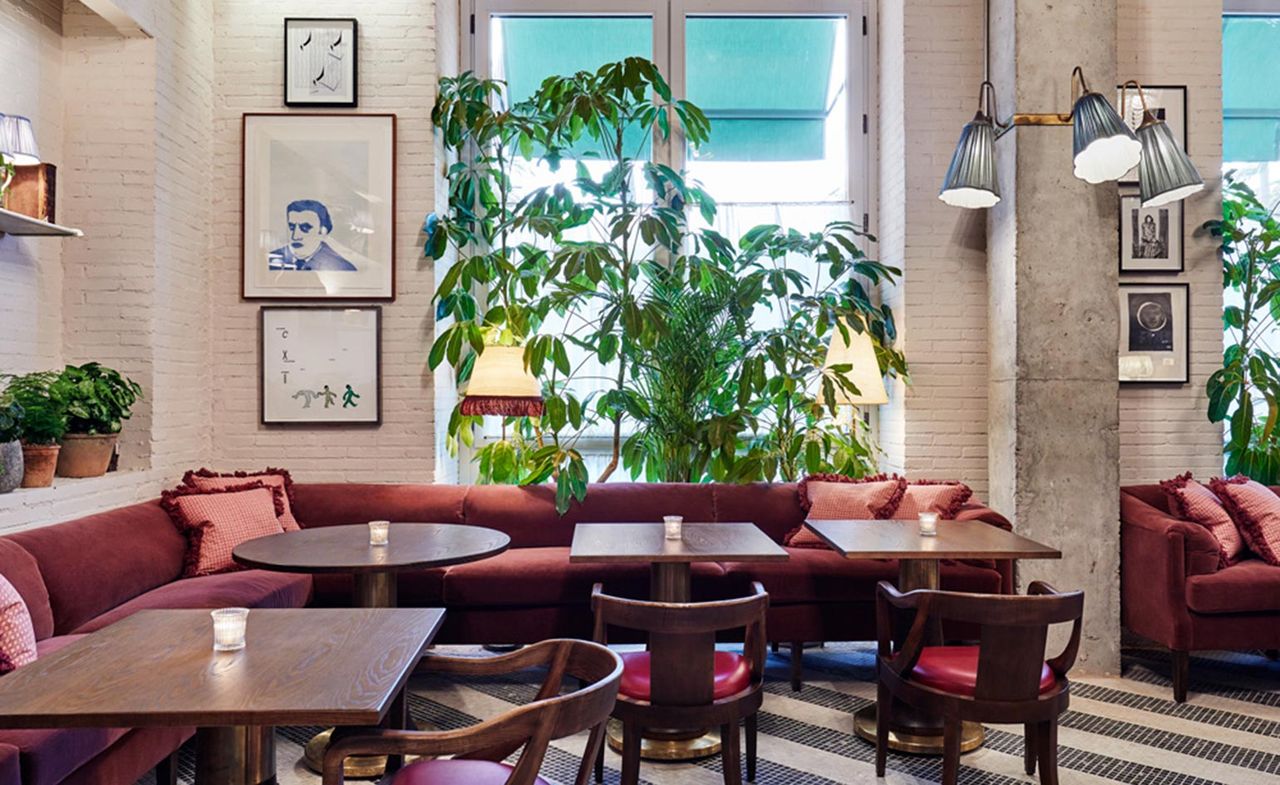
(533, 726)
(682, 639)
(1013, 632)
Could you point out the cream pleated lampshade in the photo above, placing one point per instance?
(860, 353)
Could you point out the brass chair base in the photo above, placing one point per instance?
(357, 767)
(669, 745)
(902, 739)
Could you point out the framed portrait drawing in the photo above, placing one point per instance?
(1166, 102)
(320, 62)
(318, 206)
(1150, 237)
(1155, 333)
(321, 365)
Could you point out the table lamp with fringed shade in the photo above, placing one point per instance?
(859, 353)
(500, 385)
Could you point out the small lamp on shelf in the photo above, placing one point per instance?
(18, 141)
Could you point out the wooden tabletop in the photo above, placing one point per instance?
(347, 548)
(902, 540)
(647, 542)
(311, 666)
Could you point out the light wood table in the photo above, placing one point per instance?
(919, 558)
(158, 668)
(346, 549)
(670, 578)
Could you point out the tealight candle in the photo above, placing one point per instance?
(671, 524)
(379, 531)
(928, 524)
(228, 628)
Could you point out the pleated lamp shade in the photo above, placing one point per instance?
(500, 385)
(859, 353)
(1165, 173)
(18, 141)
(971, 177)
(1104, 148)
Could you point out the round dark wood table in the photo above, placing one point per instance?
(346, 549)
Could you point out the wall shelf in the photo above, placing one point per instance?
(24, 225)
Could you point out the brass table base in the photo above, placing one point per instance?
(669, 746)
(239, 755)
(362, 767)
(904, 739)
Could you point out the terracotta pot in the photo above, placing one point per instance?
(85, 455)
(10, 466)
(38, 462)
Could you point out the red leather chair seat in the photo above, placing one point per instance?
(954, 669)
(732, 674)
(455, 772)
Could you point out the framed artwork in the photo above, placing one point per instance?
(318, 206)
(1155, 333)
(1167, 102)
(1150, 237)
(320, 62)
(321, 365)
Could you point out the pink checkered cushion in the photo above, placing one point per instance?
(215, 521)
(834, 497)
(1191, 501)
(17, 635)
(944, 498)
(1256, 510)
(207, 479)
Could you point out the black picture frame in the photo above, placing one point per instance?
(355, 64)
(1177, 88)
(262, 368)
(1185, 290)
(1129, 191)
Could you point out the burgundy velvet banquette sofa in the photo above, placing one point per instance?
(1174, 593)
(79, 576)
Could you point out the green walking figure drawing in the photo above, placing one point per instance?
(349, 398)
(330, 397)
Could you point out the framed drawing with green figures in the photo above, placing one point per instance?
(321, 365)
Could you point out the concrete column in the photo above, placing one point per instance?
(1053, 321)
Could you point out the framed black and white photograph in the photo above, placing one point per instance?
(1166, 102)
(1150, 237)
(321, 365)
(1155, 333)
(319, 206)
(320, 66)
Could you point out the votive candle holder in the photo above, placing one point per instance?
(673, 526)
(928, 524)
(229, 628)
(379, 532)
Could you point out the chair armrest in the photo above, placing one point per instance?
(1157, 554)
(1200, 547)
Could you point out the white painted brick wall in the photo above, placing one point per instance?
(397, 74)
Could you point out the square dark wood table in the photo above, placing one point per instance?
(671, 561)
(919, 557)
(312, 666)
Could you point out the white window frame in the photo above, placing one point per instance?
(668, 50)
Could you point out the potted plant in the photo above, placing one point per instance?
(98, 400)
(44, 421)
(10, 446)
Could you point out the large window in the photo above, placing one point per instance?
(782, 83)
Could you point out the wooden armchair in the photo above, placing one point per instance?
(682, 682)
(479, 750)
(1004, 679)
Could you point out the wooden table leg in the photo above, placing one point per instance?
(239, 755)
(911, 730)
(672, 582)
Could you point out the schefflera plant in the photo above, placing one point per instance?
(583, 250)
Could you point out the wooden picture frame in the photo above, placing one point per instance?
(318, 206)
(332, 346)
(321, 62)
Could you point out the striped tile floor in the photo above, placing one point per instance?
(1119, 730)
